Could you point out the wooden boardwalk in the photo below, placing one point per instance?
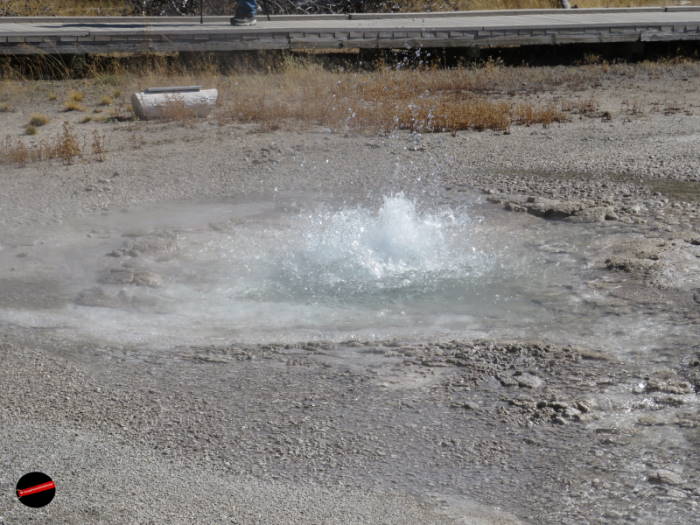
(22, 36)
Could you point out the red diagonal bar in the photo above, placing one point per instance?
(36, 489)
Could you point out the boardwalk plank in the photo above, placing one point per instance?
(471, 29)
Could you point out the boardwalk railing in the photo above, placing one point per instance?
(42, 35)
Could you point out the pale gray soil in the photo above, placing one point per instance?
(383, 432)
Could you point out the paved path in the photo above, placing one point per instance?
(457, 29)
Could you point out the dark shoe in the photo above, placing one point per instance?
(243, 21)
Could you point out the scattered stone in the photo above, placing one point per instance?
(528, 404)
(676, 494)
(665, 477)
(559, 406)
(511, 206)
(529, 381)
(572, 413)
(126, 276)
(117, 276)
(669, 387)
(671, 401)
(467, 405)
(594, 214)
(146, 278)
(94, 297)
(506, 380)
(158, 247)
(651, 421)
(584, 406)
(628, 264)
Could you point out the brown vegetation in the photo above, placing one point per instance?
(38, 120)
(429, 100)
(71, 105)
(64, 146)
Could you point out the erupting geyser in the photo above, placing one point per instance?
(287, 270)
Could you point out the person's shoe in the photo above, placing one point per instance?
(243, 21)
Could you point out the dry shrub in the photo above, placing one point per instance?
(63, 7)
(527, 115)
(419, 100)
(76, 96)
(64, 146)
(67, 146)
(119, 114)
(14, 151)
(38, 120)
(587, 107)
(98, 146)
(72, 105)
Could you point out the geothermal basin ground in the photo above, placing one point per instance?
(224, 325)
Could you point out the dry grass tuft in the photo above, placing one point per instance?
(76, 96)
(85, 119)
(98, 146)
(119, 114)
(30, 130)
(105, 101)
(14, 151)
(67, 146)
(6, 108)
(527, 115)
(64, 146)
(71, 105)
(65, 7)
(38, 120)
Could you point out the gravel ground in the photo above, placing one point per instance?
(373, 432)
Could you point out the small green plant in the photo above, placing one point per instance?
(30, 130)
(37, 120)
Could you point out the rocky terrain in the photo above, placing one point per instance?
(397, 431)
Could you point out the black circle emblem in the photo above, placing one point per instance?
(36, 489)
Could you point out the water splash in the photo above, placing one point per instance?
(356, 251)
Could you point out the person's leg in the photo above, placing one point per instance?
(246, 8)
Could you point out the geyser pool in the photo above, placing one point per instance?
(290, 269)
